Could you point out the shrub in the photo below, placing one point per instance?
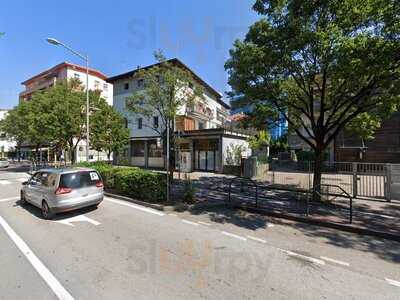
(189, 192)
(141, 184)
(132, 182)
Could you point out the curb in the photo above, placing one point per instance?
(150, 205)
(348, 228)
(161, 207)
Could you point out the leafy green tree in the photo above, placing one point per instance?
(14, 125)
(107, 129)
(323, 65)
(280, 144)
(60, 115)
(260, 141)
(169, 89)
(55, 117)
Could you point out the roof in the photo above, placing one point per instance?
(65, 170)
(68, 65)
(181, 64)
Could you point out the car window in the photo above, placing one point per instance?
(36, 178)
(51, 180)
(43, 178)
(48, 179)
(79, 179)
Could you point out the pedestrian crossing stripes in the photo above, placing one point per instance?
(12, 181)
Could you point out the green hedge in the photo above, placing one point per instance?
(132, 182)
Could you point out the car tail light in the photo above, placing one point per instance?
(99, 184)
(62, 190)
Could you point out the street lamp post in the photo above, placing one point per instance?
(86, 59)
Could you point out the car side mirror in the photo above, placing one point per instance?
(25, 183)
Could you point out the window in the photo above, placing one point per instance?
(137, 148)
(96, 85)
(154, 149)
(105, 87)
(126, 86)
(79, 179)
(191, 85)
(201, 125)
(159, 79)
(36, 179)
(51, 180)
(77, 76)
(126, 122)
(155, 122)
(139, 123)
(140, 82)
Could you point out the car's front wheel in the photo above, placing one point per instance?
(46, 211)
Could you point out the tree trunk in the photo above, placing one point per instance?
(72, 149)
(318, 161)
(172, 153)
(19, 153)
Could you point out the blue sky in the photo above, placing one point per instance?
(118, 36)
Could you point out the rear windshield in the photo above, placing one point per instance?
(79, 179)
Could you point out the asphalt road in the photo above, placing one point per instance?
(125, 251)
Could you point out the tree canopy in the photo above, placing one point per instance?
(324, 65)
(56, 117)
(107, 129)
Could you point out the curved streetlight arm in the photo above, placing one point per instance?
(86, 59)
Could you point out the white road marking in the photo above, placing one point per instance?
(376, 215)
(234, 235)
(47, 276)
(9, 199)
(80, 218)
(270, 225)
(190, 222)
(308, 258)
(3, 182)
(138, 207)
(343, 263)
(204, 223)
(256, 239)
(393, 282)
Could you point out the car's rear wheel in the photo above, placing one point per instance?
(46, 211)
(22, 199)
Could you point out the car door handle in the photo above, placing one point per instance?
(85, 195)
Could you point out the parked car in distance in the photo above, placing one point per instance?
(61, 190)
(4, 163)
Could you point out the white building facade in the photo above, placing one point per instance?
(202, 132)
(66, 71)
(62, 72)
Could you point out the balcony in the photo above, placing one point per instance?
(201, 111)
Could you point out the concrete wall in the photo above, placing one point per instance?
(105, 87)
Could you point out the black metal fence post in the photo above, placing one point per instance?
(351, 210)
(256, 195)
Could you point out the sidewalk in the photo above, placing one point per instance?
(369, 216)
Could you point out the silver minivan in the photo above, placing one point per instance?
(61, 190)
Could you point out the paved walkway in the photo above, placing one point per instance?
(367, 214)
